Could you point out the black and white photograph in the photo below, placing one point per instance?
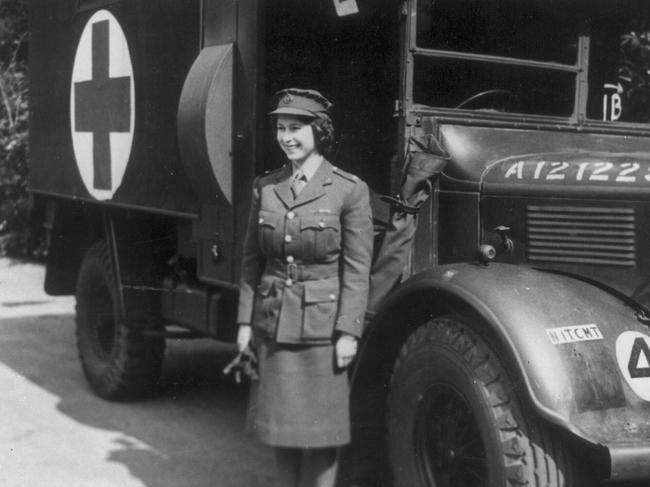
(325, 243)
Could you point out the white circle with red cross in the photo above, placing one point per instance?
(102, 105)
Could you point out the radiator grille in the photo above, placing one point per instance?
(581, 235)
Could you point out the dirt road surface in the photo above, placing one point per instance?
(55, 433)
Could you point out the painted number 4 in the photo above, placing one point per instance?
(639, 364)
(633, 357)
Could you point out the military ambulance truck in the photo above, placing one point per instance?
(507, 146)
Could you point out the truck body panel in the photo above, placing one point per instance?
(163, 39)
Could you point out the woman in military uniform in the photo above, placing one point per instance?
(303, 293)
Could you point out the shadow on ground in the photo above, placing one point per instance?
(190, 433)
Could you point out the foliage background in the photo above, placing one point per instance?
(18, 237)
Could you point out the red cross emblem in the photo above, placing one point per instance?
(102, 105)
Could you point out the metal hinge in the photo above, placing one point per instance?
(398, 109)
(413, 119)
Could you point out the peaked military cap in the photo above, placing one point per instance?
(305, 103)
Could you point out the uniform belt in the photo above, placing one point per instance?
(298, 272)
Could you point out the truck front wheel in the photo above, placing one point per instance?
(456, 419)
(120, 363)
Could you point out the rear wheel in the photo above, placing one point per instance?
(118, 362)
(455, 418)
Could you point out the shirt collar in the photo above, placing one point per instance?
(309, 167)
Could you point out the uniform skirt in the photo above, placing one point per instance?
(301, 399)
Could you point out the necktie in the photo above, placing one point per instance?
(298, 182)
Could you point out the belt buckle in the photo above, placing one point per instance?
(292, 271)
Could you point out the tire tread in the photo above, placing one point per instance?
(135, 361)
(532, 456)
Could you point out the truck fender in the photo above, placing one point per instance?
(560, 333)
(71, 229)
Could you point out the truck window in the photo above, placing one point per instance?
(619, 63)
(509, 28)
(507, 55)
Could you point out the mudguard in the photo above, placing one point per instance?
(582, 353)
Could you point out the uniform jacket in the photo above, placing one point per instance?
(306, 261)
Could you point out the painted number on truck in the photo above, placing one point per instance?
(633, 356)
(628, 172)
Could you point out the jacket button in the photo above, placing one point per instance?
(288, 283)
(332, 297)
(290, 259)
(321, 224)
(291, 215)
(287, 238)
(261, 220)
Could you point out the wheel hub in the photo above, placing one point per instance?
(448, 442)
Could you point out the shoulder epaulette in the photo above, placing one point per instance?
(345, 175)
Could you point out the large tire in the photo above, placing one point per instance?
(455, 417)
(118, 362)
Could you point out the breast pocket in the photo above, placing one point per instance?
(266, 309)
(320, 236)
(268, 232)
(321, 303)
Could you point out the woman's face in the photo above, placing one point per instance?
(296, 138)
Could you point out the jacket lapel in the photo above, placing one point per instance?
(283, 186)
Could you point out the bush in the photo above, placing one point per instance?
(17, 236)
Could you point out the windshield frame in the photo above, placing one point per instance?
(577, 120)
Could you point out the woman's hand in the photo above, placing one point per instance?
(244, 336)
(245, 362)
(346, 349)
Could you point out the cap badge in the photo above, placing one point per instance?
(287, 99)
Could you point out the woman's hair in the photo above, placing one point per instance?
(323, 134)
(323, 129)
